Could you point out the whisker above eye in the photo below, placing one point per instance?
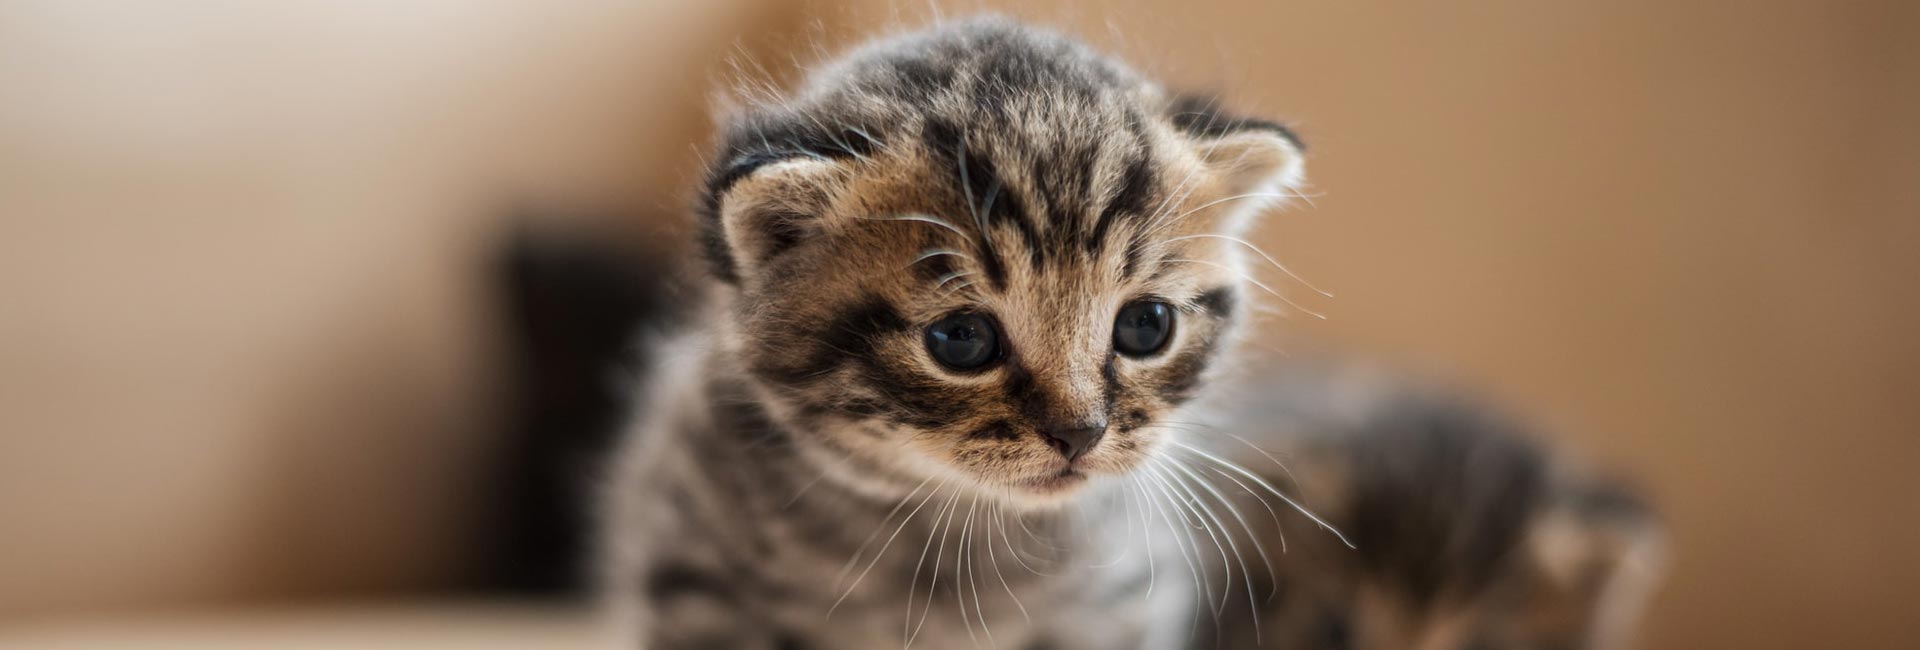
(1255, 282)
(944, 279)
(1167, 221)
(920, 218)
(1263, 254)
(1308, 198)
(937, 252)
(963, 286)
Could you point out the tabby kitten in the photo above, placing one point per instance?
(970, 286)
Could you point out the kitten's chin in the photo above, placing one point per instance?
(1065, 481)
(1062, 485)
(1046, 491)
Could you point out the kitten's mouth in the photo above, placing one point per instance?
(1065, 479)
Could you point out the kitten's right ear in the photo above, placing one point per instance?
(774, 179)
(762, 204)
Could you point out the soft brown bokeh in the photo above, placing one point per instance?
(244, 347)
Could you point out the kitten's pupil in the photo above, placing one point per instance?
(963, 341)
(1142, 327)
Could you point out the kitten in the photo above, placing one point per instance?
(971, 289)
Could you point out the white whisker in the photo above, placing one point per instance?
(920, 218)
(1269, 487)
(1189, 553)
(1241, 197)
(1201, 515)
(1000, 522)
(960, 567)
(1194, 478)
(944, 279)
(1295, 480)
(1017, 558)
(910, 631)
(937, 252)
(1146, 534)
(1263, 286)
(883, 547)
(1263, 255)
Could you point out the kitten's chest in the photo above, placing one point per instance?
(1005, 587)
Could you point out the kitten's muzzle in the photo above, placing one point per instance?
(1074, 441)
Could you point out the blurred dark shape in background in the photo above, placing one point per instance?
(577, 305)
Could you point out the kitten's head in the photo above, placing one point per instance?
(985, 254)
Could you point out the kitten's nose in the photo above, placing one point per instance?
(1075, 439)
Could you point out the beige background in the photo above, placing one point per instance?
(244, 353)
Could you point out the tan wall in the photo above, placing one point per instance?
(240, 351)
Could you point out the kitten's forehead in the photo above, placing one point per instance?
(982, 70)
(1015, 132)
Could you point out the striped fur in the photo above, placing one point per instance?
(808, 476)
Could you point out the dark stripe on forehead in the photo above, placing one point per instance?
(997, 202)
(1062, 179)
(1136, 253)
(946, 145)
(1129, 199)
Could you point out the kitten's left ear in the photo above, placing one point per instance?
(1248, 156)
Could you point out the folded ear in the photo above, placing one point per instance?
(772, 183)
(1248, 156)
(766, 194)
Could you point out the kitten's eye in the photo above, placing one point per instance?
(963, 341)
(1142, 327)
